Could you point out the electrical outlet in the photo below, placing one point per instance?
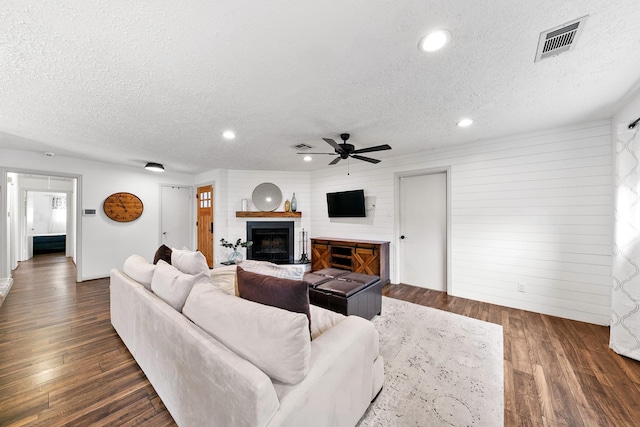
(520, 287)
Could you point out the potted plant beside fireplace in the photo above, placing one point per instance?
(235, 256)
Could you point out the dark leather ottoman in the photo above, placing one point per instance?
(345, 292)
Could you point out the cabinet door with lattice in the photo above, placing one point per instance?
(366, 261)
(320, 255)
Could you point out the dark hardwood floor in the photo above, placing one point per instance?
(61, 363)
(557, 372)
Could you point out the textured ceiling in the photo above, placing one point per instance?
(136, 81)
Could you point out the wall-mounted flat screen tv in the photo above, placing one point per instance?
(346, 204)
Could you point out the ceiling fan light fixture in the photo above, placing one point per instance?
(435, 40)
(154, 167)
(465, 123)
(229, 134)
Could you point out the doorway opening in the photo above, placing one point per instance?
(39, 214)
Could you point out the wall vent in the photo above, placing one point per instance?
(302, 146)
(559, 39)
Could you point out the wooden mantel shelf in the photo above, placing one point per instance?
(243, 214)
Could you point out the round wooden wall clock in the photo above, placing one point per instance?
(123, 207)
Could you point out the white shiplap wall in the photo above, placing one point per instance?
(240, 184)
(532, 209)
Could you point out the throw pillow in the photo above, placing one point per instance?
(189, 262)
(139, 269)
(276, 341)
(163, 253)
(225, 279)
(173, 286)
(293, 272)
(287, 294)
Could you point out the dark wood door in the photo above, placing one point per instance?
(205, 222)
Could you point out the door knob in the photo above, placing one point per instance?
(402, 237)
(165, 233)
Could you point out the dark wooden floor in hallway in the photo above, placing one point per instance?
(61, 362)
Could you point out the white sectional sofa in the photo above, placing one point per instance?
(217, 364)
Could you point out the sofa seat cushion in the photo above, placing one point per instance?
(173, 286)
(276, 341)
(139, 269)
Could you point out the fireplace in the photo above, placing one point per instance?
(272, 241)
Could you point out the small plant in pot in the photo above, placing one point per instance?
(235, 256)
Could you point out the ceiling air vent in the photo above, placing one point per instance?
(559, 39)
(302, 146)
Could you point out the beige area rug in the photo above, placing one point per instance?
(441, 369)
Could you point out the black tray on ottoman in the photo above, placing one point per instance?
(345, 292)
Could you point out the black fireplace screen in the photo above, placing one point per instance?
(272, 241)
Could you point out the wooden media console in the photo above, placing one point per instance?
(359, 256)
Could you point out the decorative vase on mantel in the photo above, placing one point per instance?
(287, 205)
(235, 257)
(294, 203)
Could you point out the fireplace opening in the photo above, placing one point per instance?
(272, 241)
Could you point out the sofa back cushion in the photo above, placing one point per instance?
(173, 286)
(275, 340)
(292, 295)
(139, 269)
(190, 262)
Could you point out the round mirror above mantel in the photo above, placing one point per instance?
(266, 197)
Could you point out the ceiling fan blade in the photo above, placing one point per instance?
(366, 159)
(336, 160)
(334, 144)
(371, 149)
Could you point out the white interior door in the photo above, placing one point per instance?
(176, 219)
(423, 231)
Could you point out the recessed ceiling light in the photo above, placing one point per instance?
(464, 123)
(229, 134)
(434, 41)
(307, 158)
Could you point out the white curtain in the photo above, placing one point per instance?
(625, 295)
